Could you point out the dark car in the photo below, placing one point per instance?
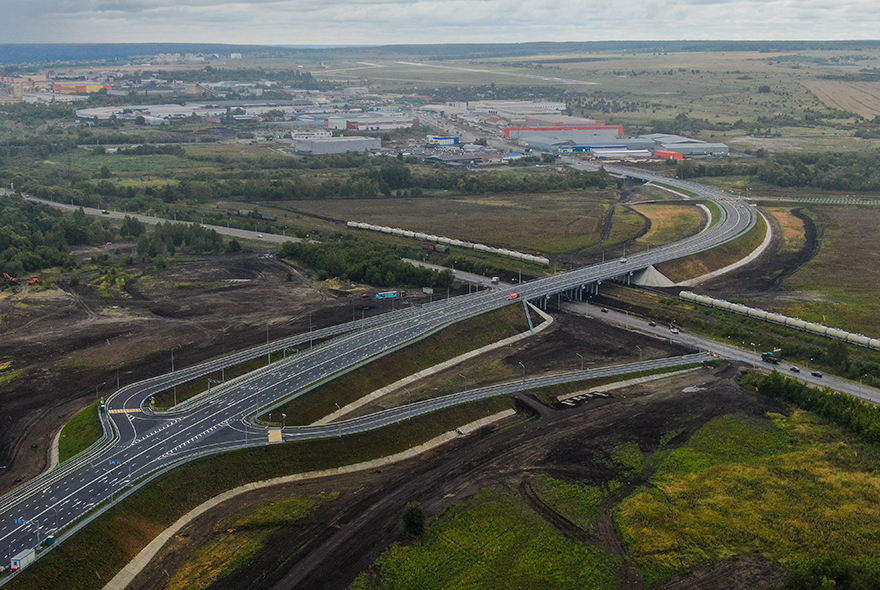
(816, 374)
(652, 324)
(604, 310)
(794, 369)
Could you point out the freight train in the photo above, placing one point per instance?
(441, 241)
(775, 318)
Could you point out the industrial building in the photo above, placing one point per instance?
(80, 87)
(445, 140)
(337, 145)
(515, 110)
(310, 134)
(685, 145)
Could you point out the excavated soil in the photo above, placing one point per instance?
(72, 342)
(342, 538)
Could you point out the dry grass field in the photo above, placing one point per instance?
(670, 223)
(838, 286)
(551, 223)
(857, 97)
(791, 229)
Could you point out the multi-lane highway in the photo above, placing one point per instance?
(141, 442)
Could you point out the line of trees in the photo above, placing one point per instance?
(173, 237)
(365, 262)
(858, 416)
(33, 237)
(847, 171)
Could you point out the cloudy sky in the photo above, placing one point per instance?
(343, 22)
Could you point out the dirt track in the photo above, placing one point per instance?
(332, 546)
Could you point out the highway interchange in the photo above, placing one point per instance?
(141, 443)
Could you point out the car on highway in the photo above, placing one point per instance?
(604, 310)
(104, 212)
(816, 374)
(513, 296)
(652, 324)
(674, 330)
(623, 261)
(794, 369)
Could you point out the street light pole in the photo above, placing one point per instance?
(640, 352)
(582, 360)
(524, 375)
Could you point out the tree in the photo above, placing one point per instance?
(414, 519)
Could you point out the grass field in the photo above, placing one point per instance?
(80, 432)
(838, 286)
(579, 503)
(490, 541)
(705, 262)
(669, 223)
(94, 555)
(450, 342)
(857, 97)
(567, 221)
(793, 236)
(786, 488)
(235, 539)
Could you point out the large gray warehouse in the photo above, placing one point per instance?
(337, 145)
(685, 145)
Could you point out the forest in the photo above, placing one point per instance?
(844, 171)
(352, 259)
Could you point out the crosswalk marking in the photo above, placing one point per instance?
(124, 411)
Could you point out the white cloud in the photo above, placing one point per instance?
(431, 21)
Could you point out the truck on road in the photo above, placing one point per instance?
(770, 357)
(22, 560)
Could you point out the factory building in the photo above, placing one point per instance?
(442, 140)
(310, 134)
(337, 145)
(515, 110)
(560, 129)
(685, 145)
(80, 87)
(371, 122)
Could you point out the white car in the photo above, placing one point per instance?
(674, 330)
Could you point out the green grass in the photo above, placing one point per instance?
(80, 432)
(95, 554)
(577, 502)
(491, 541)
(785, 488)
(838, 286)
(448, 343)
(234, 540)
(718, 257)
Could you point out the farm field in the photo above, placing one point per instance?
(857, 97)
(560, 223)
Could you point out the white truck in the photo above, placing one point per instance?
(22, 560)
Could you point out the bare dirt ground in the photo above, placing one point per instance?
(554, 350)
(331, 546)
(73, 340)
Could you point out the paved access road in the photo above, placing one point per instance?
(727, 351)
(141, 442)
